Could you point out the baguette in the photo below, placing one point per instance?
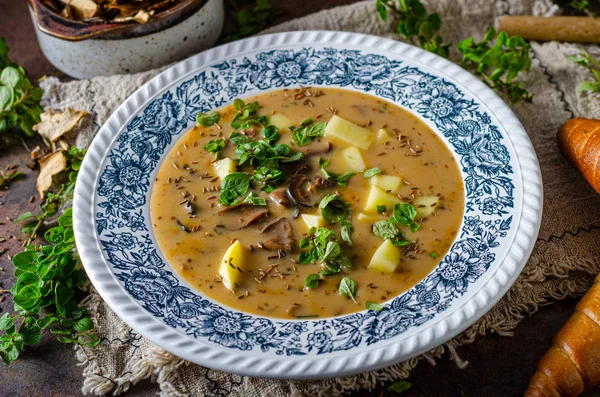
(579, 140)
(572, 364)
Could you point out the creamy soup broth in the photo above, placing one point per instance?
(194, 244)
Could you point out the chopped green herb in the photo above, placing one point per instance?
(348, 288)
(268, 177)
(381, 208)
(322, 246)
(215, 146)
(271, 133)
(400, 386)
(433, 255)
(374, 306)
(255, 200)
(499, 64)
(371, 172)
(335, 210)
(207, 119)
(405, 214)
(234, 185)
(312, 280)
(341, 180)
(308, 132)
(388, 230)
(244, 111)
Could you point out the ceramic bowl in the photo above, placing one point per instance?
(499, 168)
(86, 50)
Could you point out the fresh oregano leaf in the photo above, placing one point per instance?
(348, 288)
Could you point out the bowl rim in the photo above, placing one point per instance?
(338, 364)
(57, 26)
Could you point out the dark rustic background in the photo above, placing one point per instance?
(498, 366)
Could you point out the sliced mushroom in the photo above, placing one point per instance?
(246, 214)
(280, 237)
(298, 189)
(280, 196)
(320, 183)
(294, 168)
(316, 148)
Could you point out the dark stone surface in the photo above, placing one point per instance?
(498, 366)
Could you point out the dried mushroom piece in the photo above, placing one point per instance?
(109, 11)
(80, 9)
(55, 124)
(50, 165)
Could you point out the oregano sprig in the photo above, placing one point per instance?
(48, 275)
(19, 99)
(499, 63)
(415, 25)
(584, 59)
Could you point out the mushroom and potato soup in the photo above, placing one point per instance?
(307, 203)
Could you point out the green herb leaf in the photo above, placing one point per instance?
(499, 64)
(374, 306)
(6, 322)
(433, 255)
(85, 324)
(371, 172)
(388, 230)
(312, 280)
(28, 297)
(415, 25)
(341, 180)
(233, 186)
(405, 214)
(271, 133)
(244, 111)
(255, 200)
(582, 6)
(381, 208)
(400, 386)
(247, 22)
(308, 132)
(19, 100)
(348, 288)
(215, 146)
(207, 119)
(334, 210)
(585, 60)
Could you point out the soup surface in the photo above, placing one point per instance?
(383, 194)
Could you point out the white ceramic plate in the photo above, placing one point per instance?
(501, 221)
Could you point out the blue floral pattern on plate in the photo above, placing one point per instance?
(123, 191)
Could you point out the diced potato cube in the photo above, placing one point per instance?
(389, 183)
(353, 160)
(349, 133)
(378, 197)
(386, 258)
(313, 220)
(280, 121)
(233, 260)
(224, 167)
(383, 136)
(362, 217)
(426, 205)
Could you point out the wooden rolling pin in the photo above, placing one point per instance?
(569, 29)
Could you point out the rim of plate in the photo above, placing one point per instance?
(431, 334)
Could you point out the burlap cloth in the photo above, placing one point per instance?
(562, 264)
